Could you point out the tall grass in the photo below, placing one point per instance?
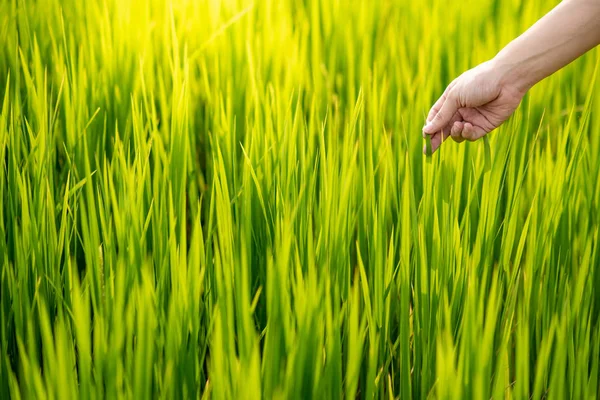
(227, 199)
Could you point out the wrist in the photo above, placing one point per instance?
(512, 75)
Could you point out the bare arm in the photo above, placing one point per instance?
(561, 36)
(482, 98)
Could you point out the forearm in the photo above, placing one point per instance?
(565, 33)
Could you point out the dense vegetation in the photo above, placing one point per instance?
(227, 199)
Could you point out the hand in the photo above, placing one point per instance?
(473, 105)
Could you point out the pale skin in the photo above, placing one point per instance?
(481, 99)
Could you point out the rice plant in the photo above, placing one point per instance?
(228, 199)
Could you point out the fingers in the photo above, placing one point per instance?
(456, 131)
(438, 104)
(472, 132)
(435, 144)
(436, 107)
(446, 111)
(436, 140)
(438, 137)
(459, 131)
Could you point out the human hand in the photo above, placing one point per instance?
(474, 104)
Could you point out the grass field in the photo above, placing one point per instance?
(228, 200)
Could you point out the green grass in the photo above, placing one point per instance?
(223, 199)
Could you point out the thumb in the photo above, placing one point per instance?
(443, 117)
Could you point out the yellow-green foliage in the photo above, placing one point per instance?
(228, 199)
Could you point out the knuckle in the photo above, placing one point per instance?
(439, 116)
(454, 96)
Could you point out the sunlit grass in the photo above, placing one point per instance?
(228, 199)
